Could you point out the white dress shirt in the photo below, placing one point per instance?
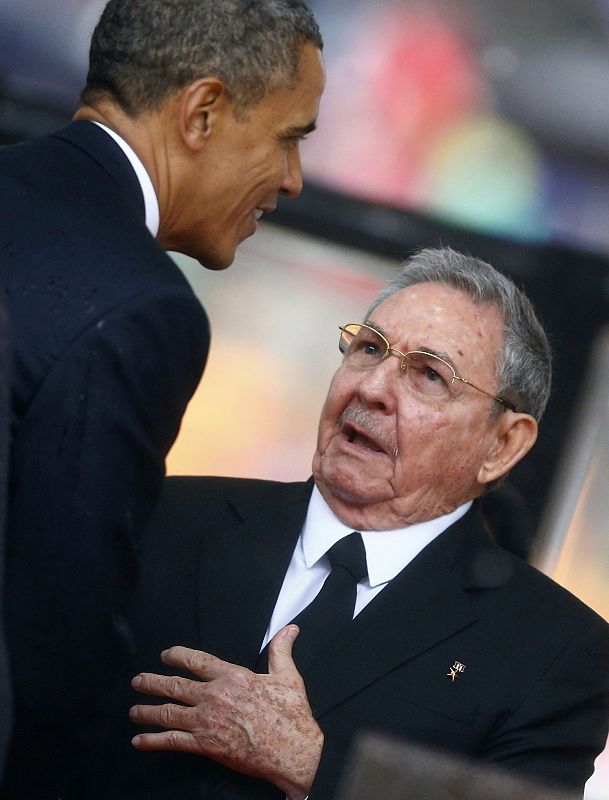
(151, 203)
(387, 553)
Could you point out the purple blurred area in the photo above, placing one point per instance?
(488, 114)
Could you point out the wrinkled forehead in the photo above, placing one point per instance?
(441, 318)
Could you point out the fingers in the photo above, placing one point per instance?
(280, 650)
(181, 689)
(202, 664)
(164, 716)
(168, 740)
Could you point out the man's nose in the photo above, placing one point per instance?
(378, 387)
(292, 183)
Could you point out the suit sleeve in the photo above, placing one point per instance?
(332, 764)
(88, 463)
(561, 725)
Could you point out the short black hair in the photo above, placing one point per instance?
(142, 51)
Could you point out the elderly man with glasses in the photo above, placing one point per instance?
(408, 618)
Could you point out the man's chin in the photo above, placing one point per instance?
(215, 266)
(352, 492)
(216, 260)
(209, 259)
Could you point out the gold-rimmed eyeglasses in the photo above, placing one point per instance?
(365, 348)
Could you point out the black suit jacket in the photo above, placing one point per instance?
(109, 345)
(5, 688)
(533, 695)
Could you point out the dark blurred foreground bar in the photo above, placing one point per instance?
(386, 769)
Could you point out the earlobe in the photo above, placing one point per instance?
(516, 435)
(200, 104)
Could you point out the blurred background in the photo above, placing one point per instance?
(480, 124)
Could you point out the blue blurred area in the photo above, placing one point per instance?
(43, 61)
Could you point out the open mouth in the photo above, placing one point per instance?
(360, 439)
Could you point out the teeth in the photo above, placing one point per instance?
(258, 212)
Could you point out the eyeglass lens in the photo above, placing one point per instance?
(364, 348)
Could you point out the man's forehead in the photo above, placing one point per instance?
(431, 310)
(294, 109)
(433, 297)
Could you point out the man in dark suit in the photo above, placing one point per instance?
(188, 132)
(5, 686)
(450, 640)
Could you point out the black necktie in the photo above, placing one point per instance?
(332, 609)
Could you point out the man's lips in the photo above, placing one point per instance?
(260, 210)
(362, 439)
(363, 430)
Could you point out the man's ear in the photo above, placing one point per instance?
(200, 104)
(516, 434)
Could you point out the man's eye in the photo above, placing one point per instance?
(428, 374)
(366, 347)
(433, 376)
(293, 142)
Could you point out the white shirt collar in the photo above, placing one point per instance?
(151, 203)
(387, 552)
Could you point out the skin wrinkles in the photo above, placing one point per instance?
(242, 168)
(447, 450)
(222, 717)
(420, 346)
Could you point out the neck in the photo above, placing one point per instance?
(147, 135)
(137, 135)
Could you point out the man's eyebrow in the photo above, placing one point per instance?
(440, 354)
(423, 347)
(375, 327)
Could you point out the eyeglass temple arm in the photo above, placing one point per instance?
(488, 394)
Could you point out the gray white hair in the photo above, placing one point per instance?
(524, 370)
(144, 50)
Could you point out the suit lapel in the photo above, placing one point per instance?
(425, 604)
(250, 551)
(250, 554)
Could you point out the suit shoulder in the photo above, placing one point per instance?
(193, 508)
(188, 494)
(206, 489)
(542, 597)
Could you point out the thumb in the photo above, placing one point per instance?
(280, 650)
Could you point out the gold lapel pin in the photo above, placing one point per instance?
(456, 669)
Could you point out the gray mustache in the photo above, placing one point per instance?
(365, 421)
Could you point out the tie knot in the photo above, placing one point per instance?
(350, 554)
